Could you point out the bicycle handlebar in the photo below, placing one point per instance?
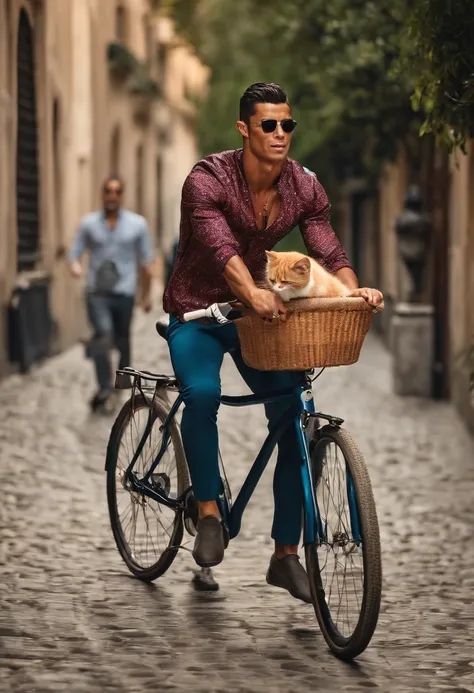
(216, 311)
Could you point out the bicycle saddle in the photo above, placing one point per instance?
(162, 327)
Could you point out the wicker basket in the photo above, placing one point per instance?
(318, 332)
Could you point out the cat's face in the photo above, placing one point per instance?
(287, 271)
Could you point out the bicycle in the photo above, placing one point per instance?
(340, 526)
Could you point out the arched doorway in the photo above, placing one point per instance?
(27, 179)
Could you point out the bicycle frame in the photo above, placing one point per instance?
(314, 532)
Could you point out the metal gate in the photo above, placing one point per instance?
(27, 181)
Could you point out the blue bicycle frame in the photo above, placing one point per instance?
(314, 531)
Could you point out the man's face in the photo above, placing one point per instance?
(267, 146)
(112, 195)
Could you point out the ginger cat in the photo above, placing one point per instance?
(294, 275)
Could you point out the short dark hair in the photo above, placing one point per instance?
(260, 92)
(109, 179)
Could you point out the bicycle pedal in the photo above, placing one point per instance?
(191, 514)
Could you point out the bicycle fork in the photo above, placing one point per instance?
(314, 530)
(312, 520)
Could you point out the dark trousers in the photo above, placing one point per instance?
(110, 316)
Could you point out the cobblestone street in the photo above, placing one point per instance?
(73, 619)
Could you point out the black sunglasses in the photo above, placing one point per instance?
(270, 125)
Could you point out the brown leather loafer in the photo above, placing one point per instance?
(210, 543)
(289, 574)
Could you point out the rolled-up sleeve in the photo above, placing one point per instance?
(202, 201)
(319, 237)
(80, 242)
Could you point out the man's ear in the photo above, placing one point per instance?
(242, 128)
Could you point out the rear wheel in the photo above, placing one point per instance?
(344, 570)
(147, 533)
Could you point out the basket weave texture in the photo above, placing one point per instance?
(318, 332)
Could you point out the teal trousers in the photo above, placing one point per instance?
(197, 352)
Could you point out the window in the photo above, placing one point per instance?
(27, 170)
(148, 36)
(139, 180)
(159, 202)
(115, 153)
(121, 24)
(57, 171)
(161, 59)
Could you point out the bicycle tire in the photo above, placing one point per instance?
(161, 410)
(348, 647)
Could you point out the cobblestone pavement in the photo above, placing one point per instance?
(73, 619)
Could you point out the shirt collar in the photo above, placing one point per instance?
(119, 215)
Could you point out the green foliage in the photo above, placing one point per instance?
(141, 83)
(292, 241)
(124, 65)
(122, 62)
(338, 62)
(442, 32)
(363, 76)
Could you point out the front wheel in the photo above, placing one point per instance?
(344, 565)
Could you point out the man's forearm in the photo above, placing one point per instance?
(239, 280)
(265, 303)
(347, 277)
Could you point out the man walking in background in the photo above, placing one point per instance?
(118, 242)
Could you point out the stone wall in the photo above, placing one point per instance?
(90, 125)
(461, 287)
(380, 261)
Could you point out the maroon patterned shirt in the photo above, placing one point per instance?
(218, 221)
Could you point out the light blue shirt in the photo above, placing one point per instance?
(128, 245)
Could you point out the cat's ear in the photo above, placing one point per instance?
(271, 255)
(303, 266)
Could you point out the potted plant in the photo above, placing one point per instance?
(144, 91)
(122, 62)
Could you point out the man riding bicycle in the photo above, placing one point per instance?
(235, 206)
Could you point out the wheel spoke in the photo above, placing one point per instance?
(340, 565)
